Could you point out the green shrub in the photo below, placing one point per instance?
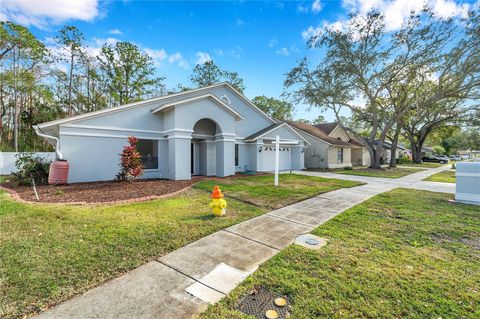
(404, 159)
(31, 167)
(131, 161)
(348, 168)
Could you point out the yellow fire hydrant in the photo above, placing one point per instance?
(218, 204)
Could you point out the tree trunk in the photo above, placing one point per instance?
(15, 106)
(375, 152)
(393, 150)
(378, 155)
(70, 112)
(417, 153)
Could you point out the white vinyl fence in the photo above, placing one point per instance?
(7, 160)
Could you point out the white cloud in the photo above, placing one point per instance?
(45, 12)
(316, 6)
(396, 12)
(312, 31)
(102, 41)
(203, 57)
(301, 8)
(294, 49)
(178, 58)
(94, 47)
(235, 53)
(240, 22)
(219, 52)
(158, 55)
(231, 53)
(283, 51)
(115, 31)
(272, 43)
(447, 8)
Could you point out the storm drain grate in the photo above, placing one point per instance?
(259, 300)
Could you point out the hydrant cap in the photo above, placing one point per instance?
(217, 193)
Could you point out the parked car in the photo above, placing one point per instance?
(455, 158)
(435, 159)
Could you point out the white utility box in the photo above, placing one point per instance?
(468, 183)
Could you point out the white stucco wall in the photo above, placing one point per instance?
(255, 122)
(94, 154)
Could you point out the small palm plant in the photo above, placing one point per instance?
(131, 161)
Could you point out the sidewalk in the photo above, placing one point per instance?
(182, 283)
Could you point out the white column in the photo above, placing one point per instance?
(277, 158)
(225, 159)
(179, 155)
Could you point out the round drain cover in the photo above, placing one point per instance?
(271, 314)
(312, 241)
(281, 302)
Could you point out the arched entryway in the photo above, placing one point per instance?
(203, 148)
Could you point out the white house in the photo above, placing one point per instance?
(331, 146)
(213, 131)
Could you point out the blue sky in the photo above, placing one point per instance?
(261, 40)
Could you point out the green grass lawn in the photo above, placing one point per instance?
(258, 190)
(444, 177)
(422, 165)
(49, 253)
(384, 172)
(401, 254)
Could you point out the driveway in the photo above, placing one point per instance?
(182, 283)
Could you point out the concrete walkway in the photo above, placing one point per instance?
(182, 283)
(414, 180)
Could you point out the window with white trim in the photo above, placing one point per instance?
(340, 155)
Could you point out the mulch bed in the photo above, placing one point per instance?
(100, 192)
(107, 192)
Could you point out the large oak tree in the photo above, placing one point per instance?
(369, 71)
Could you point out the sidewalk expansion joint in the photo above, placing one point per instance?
(248, 238)
(188, 276)
(289, 220)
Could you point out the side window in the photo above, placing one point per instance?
(340, 155)
(236, 154)
(149, 151)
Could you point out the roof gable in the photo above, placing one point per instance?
(317, 133)
(211, 97)
(339, 132)
(327, 127)
(272, 128)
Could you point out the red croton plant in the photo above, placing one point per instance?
(131, 161)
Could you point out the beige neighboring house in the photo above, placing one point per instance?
(331, 146)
